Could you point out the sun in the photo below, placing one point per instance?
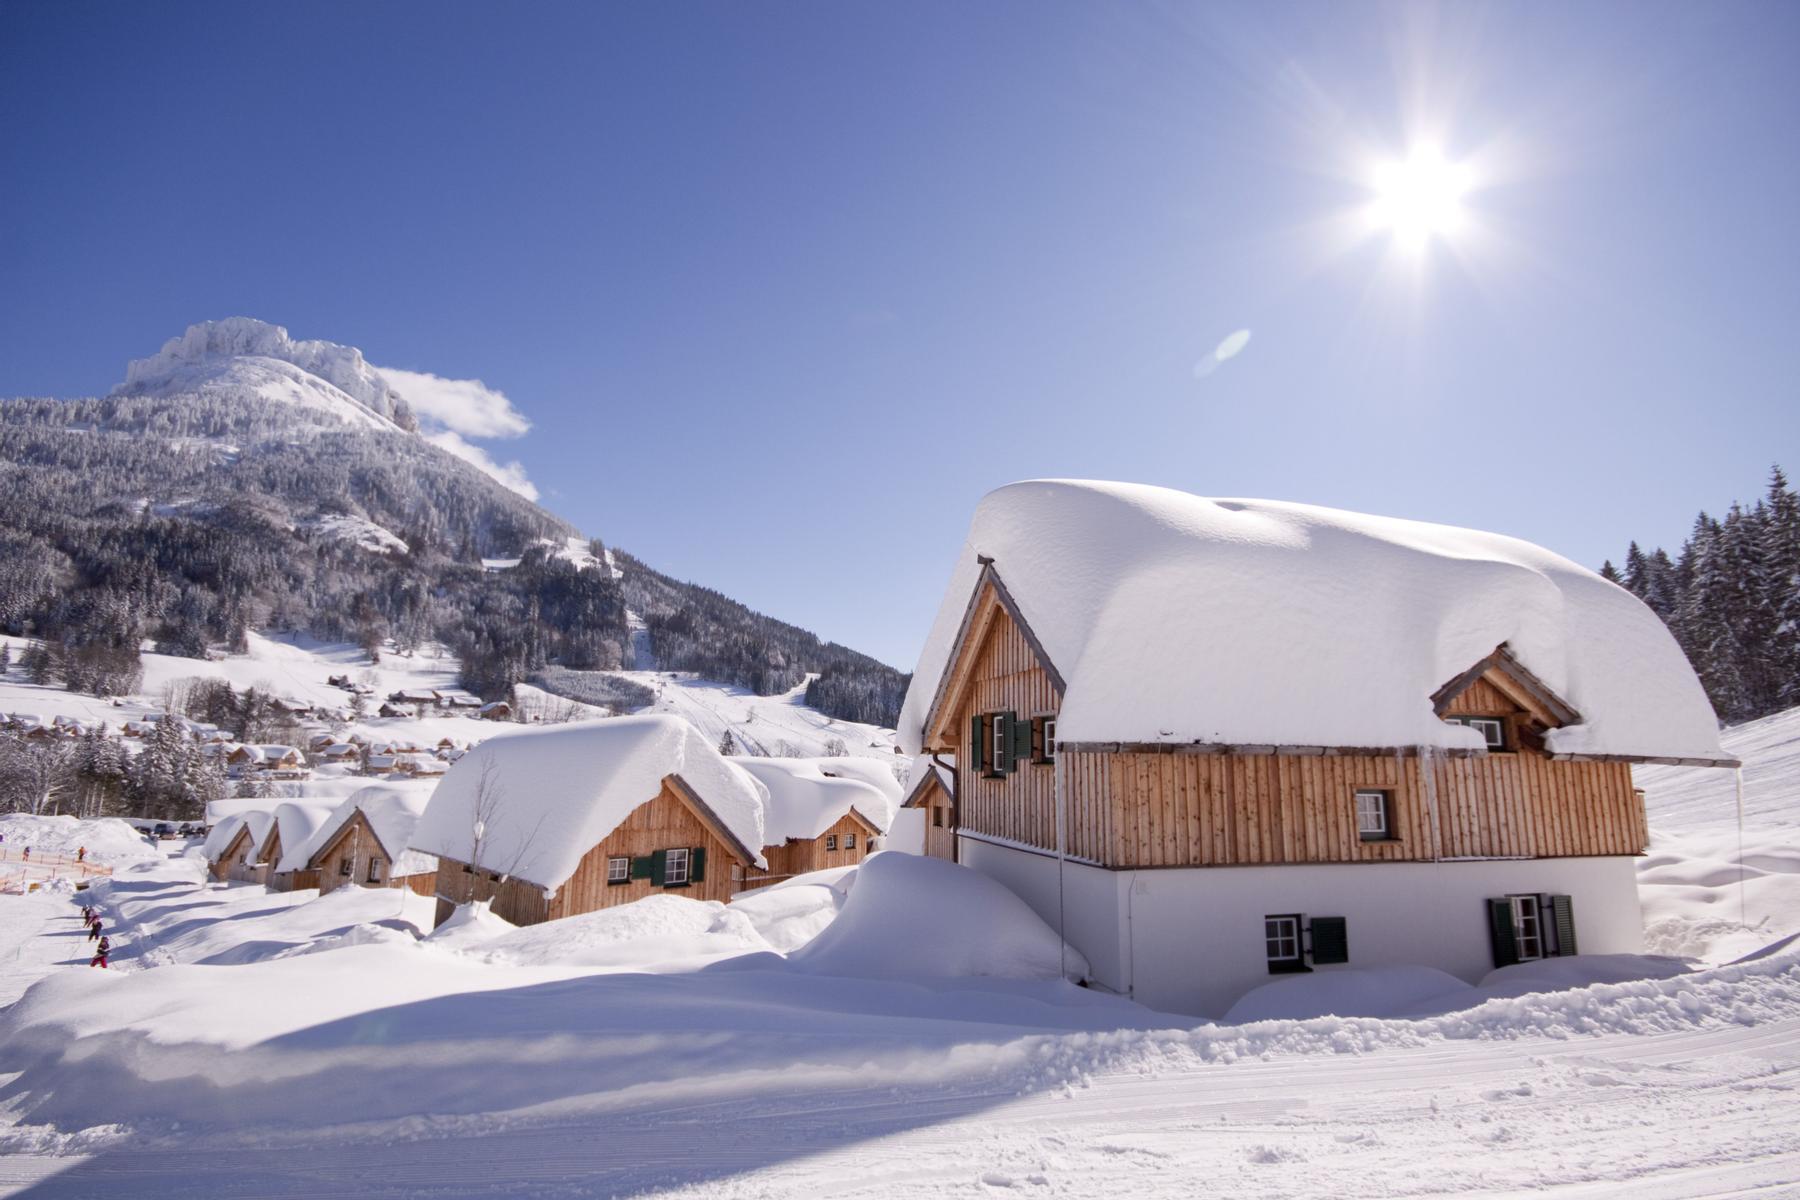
(1420, 197)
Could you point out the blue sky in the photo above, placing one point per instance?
(785, 288)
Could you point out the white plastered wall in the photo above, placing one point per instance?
(1191, 940)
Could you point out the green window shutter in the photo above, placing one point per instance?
(1564, 909)
(977, 728)
(1021, 736)
(697, 864)
(643, 868)
(659, 867)
(1500, 930)
(1330, 941)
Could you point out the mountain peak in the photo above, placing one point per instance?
(244, 353)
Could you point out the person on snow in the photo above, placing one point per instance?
(81, 854)
(99, 959)
(28, 854)
(94, 929)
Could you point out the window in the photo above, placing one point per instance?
(1372, 823)
(849, 841)
(374, 870)
(1528, 927)
(1043, 739)
(675, 867)
(1281, 935)
(1491, 729)
(999, 735)
(344, 867)
(831, 842)
(618, 870)
(937, 816)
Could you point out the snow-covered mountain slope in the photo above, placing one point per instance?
(1693, 798)
(247, 355)
(1710, 888)
(779, 726)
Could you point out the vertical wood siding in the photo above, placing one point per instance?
(1183, 809)
(1006, 677)
(797, 856)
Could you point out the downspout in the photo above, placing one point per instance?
(955, 805)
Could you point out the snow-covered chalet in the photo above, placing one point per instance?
(1213, 741)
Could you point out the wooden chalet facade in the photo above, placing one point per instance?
(354, 855)
(670, 843)
(845, 844)
(1189, 871)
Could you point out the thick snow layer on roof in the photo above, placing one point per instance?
(556, 792)
(220, 836)
(1175, 618)
(298, 822)
(259, 821)
(804, 801)
(908, 917)
(393, 812)
(876, 772)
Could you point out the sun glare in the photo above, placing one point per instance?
(1420, 197)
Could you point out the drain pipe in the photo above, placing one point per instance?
(955, 806)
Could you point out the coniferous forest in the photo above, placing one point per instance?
(1731, 596)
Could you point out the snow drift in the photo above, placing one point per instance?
(1175, 618)
(922, 918)
(804, 801)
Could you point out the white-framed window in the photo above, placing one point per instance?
(374, 870)
(344, 867)
(675, 866)
(618, 870)
(1372, 823)
(1528, 927)
(849, 841)
(831, 841)
(1281, 936)
(1491, 729)
(999, 743)
(1043, 739)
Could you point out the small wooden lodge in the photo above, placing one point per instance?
(815, 819)
(364, 843)
(930, 795)
(1214, 741)
(566, 819)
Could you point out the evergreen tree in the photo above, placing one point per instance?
(728, 745)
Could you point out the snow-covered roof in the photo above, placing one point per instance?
(923, 769)
(558, 791)
(1174, 618)
(258, 821)
(220, 837)
(393, 813)
(297, 823)
(804, 801)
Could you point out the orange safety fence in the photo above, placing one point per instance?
(19, 874)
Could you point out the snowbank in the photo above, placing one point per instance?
(109, 840)
(1356, 992)
(803, 801)
(557, 792)
(657, 931)
(1176, 618)
(923, 918)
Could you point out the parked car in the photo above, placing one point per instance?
(163, 830)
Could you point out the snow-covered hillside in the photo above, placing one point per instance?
(1710, 887)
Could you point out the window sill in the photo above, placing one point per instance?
(1289, 968)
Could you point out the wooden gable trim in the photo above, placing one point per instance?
(922, 789)
(681, 790)
(1511, 677)
(977, 620)
(231, 846)
(342, 835)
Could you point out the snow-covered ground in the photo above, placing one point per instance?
(793, 1043)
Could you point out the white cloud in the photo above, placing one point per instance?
(451, 411)
(466, 406)
(1230, 348)
(511, 475)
